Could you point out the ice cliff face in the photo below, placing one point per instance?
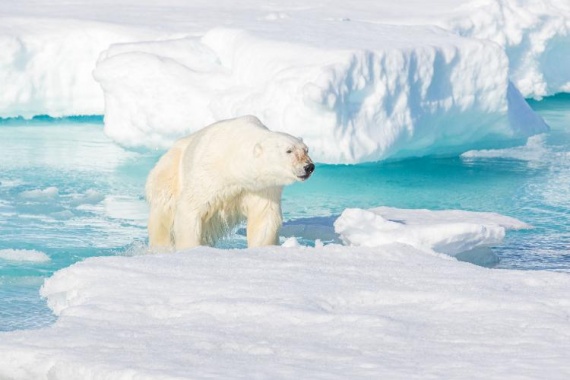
(359, 83)
(399, 91)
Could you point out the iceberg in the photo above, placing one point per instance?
(400, 91)
(46, 63)
(360, 82)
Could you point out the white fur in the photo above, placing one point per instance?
(212, 180)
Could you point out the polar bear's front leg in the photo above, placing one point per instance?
(264, 219)
(187, 226)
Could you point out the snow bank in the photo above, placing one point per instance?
(362, 81)
(29, 255)
(334, 312)
(451, 232)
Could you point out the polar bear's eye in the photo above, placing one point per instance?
(289, 151)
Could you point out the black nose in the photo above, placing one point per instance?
(309, 168)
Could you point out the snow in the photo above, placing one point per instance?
(360, 81)
(332, 312)
(23, 255)
(389, 305)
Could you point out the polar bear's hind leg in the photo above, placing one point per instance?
(160, 227)
(162, 190)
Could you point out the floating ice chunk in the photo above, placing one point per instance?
(291, 242)
(130, 208)
(48, 193)
(28, 255)
(449, 231)
(534, 150)
(90, 197)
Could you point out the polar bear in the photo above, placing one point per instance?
(212, 180)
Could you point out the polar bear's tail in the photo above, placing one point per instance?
(162, 189)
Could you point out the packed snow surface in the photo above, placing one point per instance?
(359, 81)
(333, 312)
(392, 308)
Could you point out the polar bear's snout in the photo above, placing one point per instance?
(309, 169)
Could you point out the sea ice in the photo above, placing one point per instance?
(332, 312)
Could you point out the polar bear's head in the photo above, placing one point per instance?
(282, 159)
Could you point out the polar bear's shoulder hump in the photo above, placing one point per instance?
(243, 122)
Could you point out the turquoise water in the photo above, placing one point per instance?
(67, 191)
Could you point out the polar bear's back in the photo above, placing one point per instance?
(218, 144)
(240, 132)
(221, 148)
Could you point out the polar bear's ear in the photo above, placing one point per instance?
(257, 150)
(300, 139)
